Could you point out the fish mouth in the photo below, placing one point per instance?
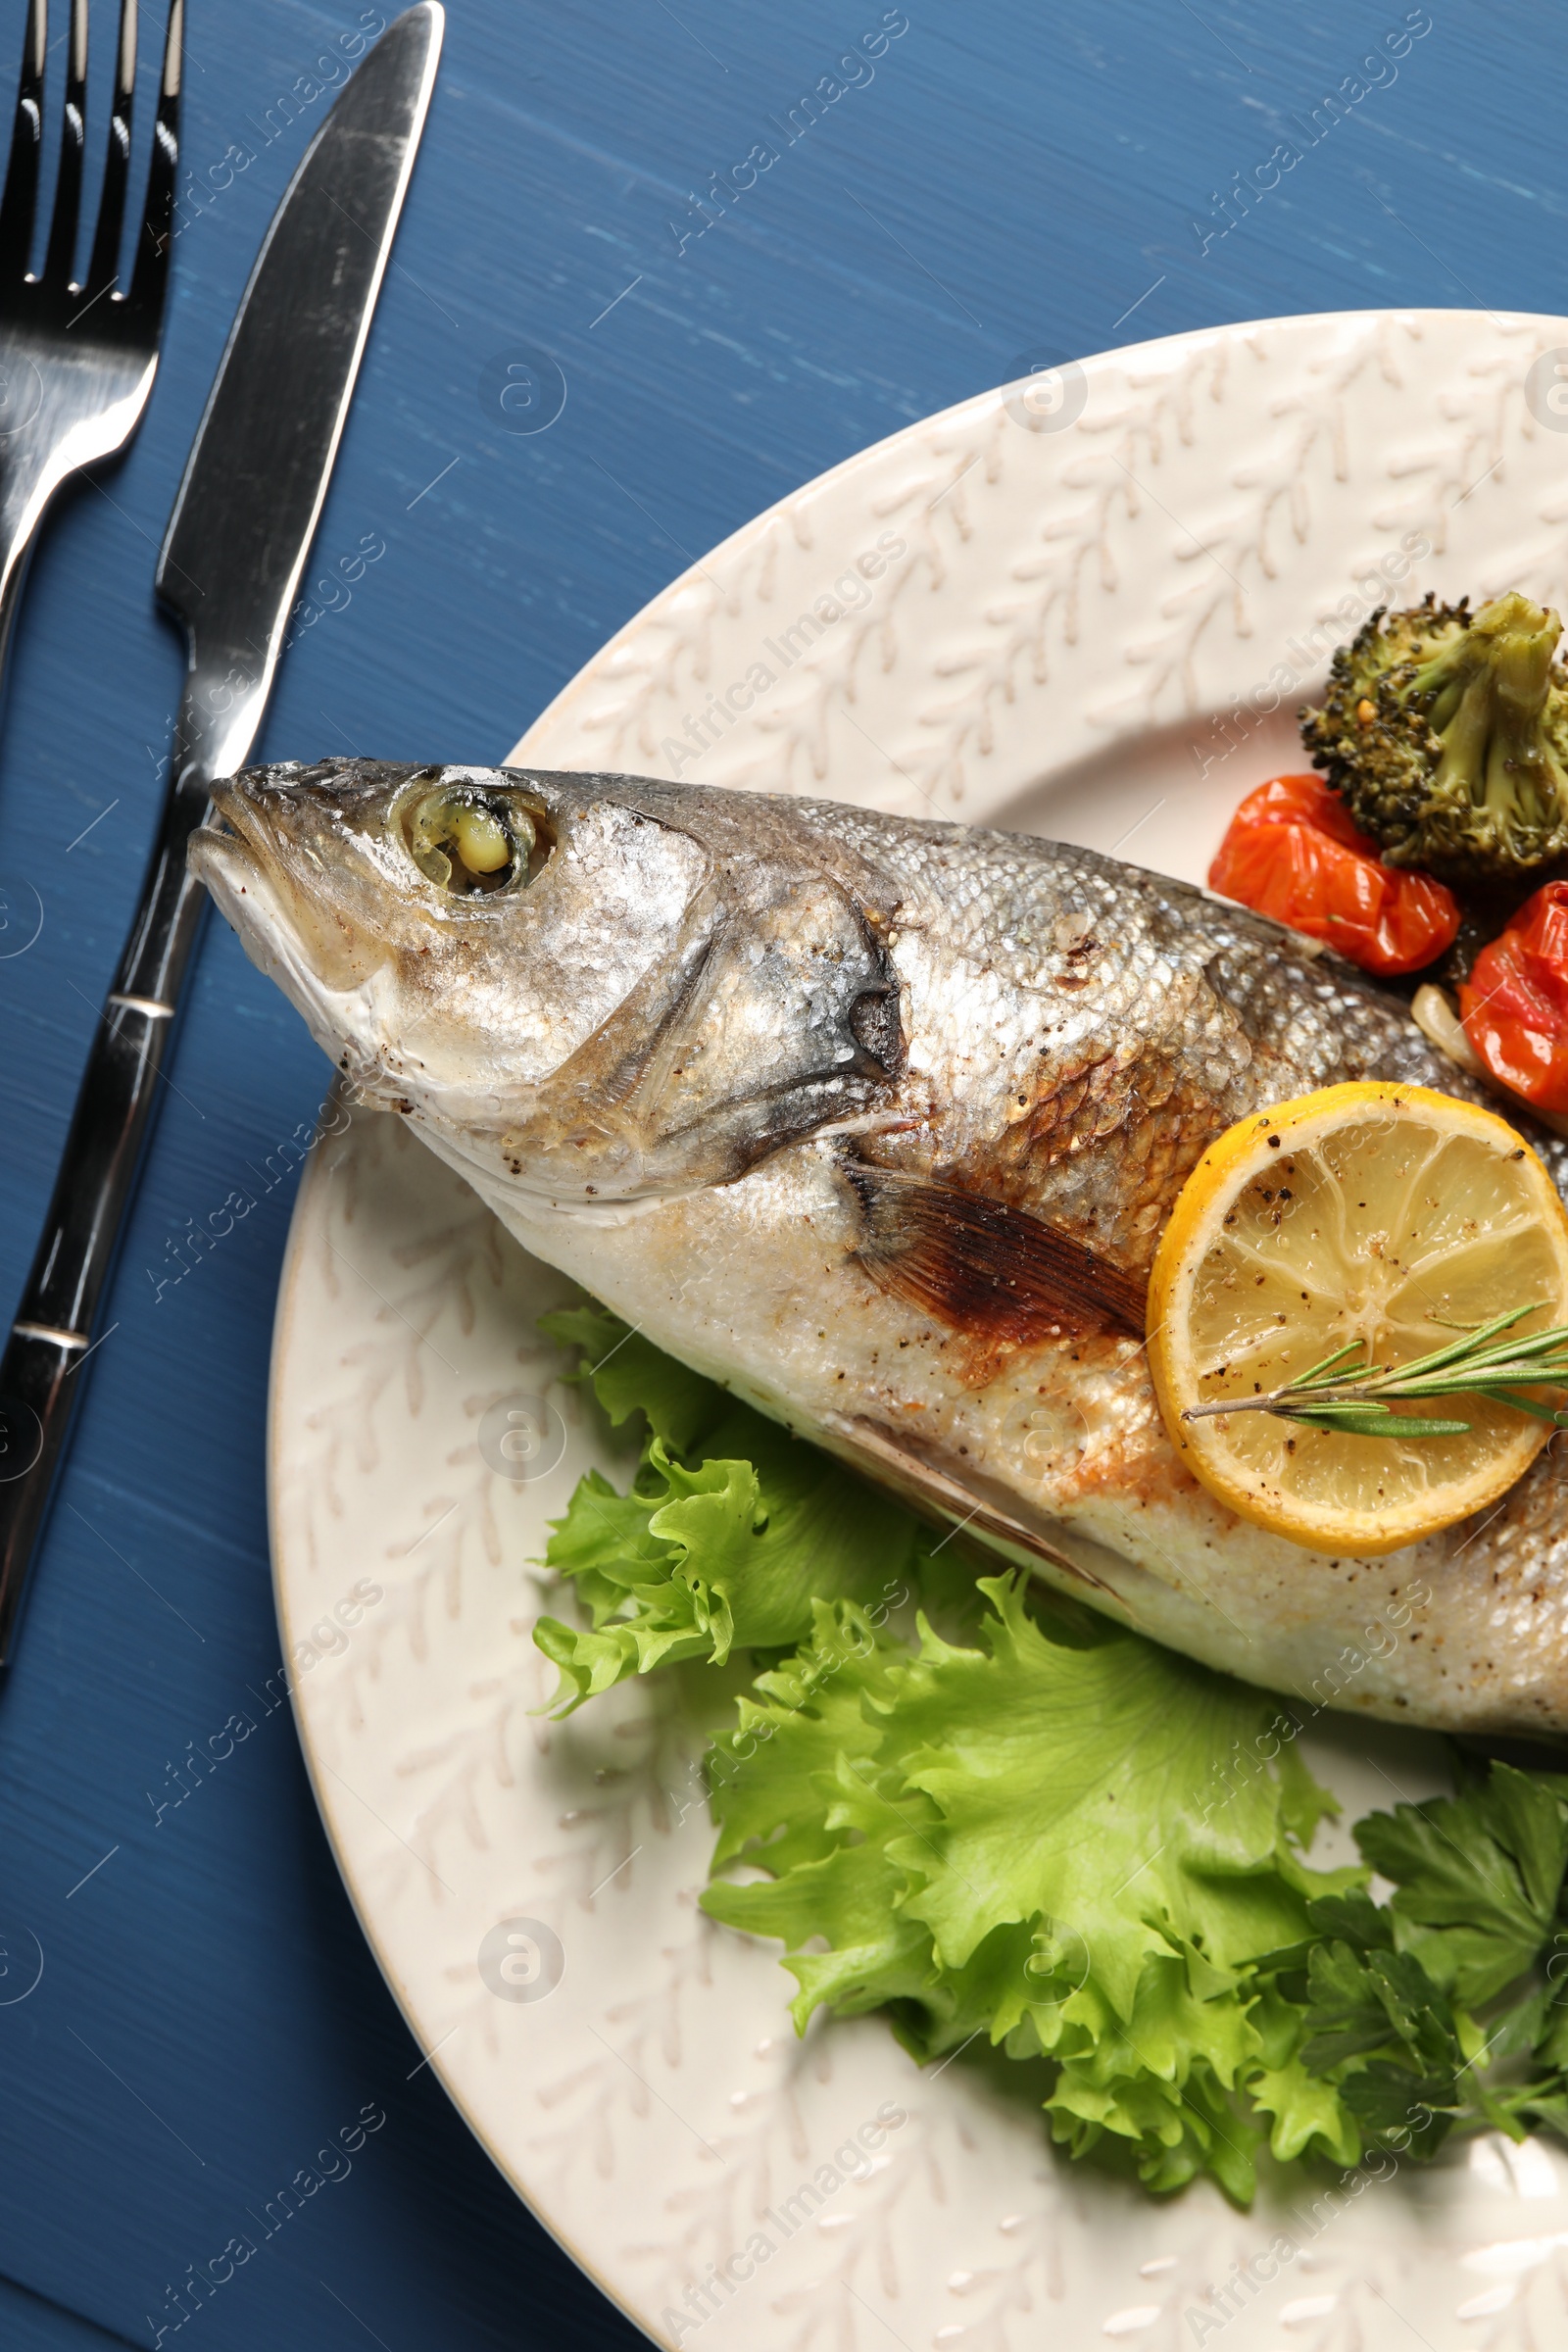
(243, 831)
(243, 882)
(288, 886)
(225, 856)
(235, 820)
(304, 904)
(240, 861)
(235, 855)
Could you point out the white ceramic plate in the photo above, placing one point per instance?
(1081, 600)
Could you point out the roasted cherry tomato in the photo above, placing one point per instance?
(1293, 852)
(1515, 1003)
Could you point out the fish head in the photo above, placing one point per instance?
(599, 988)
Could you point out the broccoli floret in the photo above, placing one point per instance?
(1446, 734)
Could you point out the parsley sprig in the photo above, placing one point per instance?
(1443, 2008)
(1358, 1398)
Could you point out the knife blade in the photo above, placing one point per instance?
(236, 546)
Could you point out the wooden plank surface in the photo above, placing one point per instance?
(1011, 180)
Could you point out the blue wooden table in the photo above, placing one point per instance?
(591, 215)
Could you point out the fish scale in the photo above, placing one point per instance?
(877, 1121)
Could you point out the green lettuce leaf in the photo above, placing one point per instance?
(1078, 1780)
(731, 1531)
(629, 1375)
(1063, 1838)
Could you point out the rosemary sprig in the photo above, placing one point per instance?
(1358, 1398)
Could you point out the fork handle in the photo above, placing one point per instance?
(28, 481)
(52, 1337)
(13, 578)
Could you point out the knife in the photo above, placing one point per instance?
(231, 560)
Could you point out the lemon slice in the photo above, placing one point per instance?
(1376, 1212)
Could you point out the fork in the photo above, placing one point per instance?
(76, 359)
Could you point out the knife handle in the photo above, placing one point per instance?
(42, 1371)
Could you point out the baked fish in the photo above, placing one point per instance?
(877, 1121)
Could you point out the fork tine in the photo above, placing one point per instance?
(61, 252)
(101, 270)
(151, 273)
(27, 137)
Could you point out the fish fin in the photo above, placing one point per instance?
(935, 1495)
(983, 1268)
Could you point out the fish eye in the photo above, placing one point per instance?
(472, 843)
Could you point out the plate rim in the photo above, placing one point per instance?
(1189, 338)
(315, 1175)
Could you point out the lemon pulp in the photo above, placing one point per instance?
(1382, 1214)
